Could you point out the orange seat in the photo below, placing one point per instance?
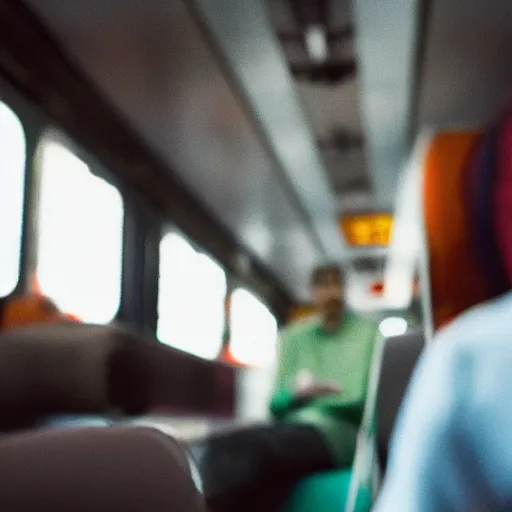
(456, 280)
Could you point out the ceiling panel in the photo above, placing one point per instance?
(467, 74)
(387, 46)
(331, 109)
(152, 62)
(249, 46)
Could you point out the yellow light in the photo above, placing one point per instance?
(373, 229)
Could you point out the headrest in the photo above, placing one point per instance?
(456, 279)
(68, 367)
(128, 469)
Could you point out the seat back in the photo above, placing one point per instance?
(67, 367)
(130, 469)
(450, 245)
(399, 357)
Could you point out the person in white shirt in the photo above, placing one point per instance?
(452, 445)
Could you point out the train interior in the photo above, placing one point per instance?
(180, 167)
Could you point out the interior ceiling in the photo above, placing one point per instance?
(332, 109)
(248, 46)
(387, 44)
(384, 48)
(274, 156)
(153, 63)
(467, 75)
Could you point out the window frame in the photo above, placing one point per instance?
(167, 229)
(18, 113)
(52, 135)
(37, 124)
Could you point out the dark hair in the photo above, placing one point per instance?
(321, 272)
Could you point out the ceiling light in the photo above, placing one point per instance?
(316, 43)
(393, 326)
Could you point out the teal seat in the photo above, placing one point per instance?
(327, 492)
(323, 492)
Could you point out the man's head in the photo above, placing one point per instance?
(327, 288)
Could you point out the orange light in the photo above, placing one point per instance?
(372, 229)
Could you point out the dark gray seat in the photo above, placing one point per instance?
(113, 371)
(400, 354)
(61, 368)
(95, 371)
(100, 469)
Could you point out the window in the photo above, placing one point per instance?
(192, 291)
(80, 237)
(12, 180)
(253, 330)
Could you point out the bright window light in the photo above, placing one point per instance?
(393, 326)
(191, 295)
(80, 237)
(253, 330)
(12, 180)
(316, 43)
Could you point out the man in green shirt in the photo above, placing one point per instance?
(324, 366)
(318, 403)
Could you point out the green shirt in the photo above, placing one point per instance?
(343, 356)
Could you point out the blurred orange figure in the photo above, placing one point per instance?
(32, 309)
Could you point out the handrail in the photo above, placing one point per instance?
(364, 463)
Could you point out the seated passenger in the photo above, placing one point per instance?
(32, 309)
(452, 449)
(319, 398)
